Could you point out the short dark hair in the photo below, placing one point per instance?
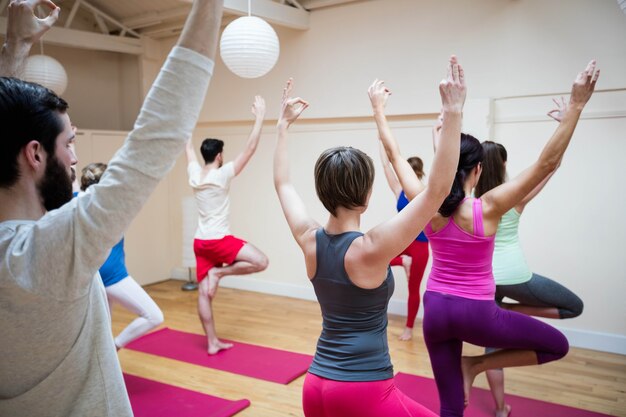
(210, 148)
(494, 170)
(418, 166)
(28, 111)
(343, 178)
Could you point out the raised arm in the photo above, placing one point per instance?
(556, 114)
(258, 109)
(437, 130)
(23, 30)
(499, 200)
(392, 180)
(293, 207)
(190, 152)
(386, 240)
(411, 185)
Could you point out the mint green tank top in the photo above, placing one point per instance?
(509, 265)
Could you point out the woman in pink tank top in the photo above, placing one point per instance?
(459, 303)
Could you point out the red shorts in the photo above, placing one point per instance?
(215, 252)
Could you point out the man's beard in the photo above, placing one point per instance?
(55, 188)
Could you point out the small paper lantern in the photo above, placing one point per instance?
(47, 71)
(249, 47)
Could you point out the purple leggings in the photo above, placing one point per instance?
(450, 320)
(323, 397)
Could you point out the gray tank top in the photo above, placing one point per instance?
(353, 344)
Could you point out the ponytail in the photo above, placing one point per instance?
(471, 155)
(494, 170)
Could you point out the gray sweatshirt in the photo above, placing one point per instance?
(57, 356)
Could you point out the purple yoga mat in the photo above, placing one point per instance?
(259, 362)
(154, 399)
(424, 391)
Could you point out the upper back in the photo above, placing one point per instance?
(333, 287)
(462, 258)
(353, 343)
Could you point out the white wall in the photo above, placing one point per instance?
(508, 48)
(146, 242)
(103, 87)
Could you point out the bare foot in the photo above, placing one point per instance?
(505, 412)
(468, 377)
(407, 334)
(213, 281)
(406, 264)
(216, 347)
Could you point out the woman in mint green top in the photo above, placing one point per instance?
(535, 295)
(509, 264)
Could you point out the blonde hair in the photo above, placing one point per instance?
(91, 174)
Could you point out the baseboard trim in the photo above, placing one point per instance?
(604, 342)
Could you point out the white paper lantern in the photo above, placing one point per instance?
(47, 71)
(249, 47)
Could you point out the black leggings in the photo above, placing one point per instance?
(543, 292)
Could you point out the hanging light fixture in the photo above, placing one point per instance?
(249, 46)
(622, 4)
(47, 71)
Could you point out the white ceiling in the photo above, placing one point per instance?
(163, 18)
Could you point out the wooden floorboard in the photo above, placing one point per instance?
(584, 379)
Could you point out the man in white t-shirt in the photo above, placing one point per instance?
(218, 252)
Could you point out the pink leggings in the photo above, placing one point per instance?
(327, 398)
(418, 251)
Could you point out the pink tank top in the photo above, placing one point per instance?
(461, 260)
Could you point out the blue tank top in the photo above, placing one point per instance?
(402, 202)
(114, 268)
(353, 343)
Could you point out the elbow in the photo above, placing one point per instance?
(549, 165)
(437, 193)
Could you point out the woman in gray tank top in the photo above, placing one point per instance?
(351, 374)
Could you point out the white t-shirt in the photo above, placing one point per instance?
(211, 192)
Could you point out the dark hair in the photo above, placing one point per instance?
(343, 178)
(418, 166)
(210, 148)
(471, 155)
(28, 112)
(503, 154)
(494, 170)
(91, 174)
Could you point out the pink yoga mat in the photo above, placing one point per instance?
(154, 399)
(259, 362)
(424, 391)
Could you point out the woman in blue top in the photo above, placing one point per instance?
(351, 374)
(415, 256)
(120, 287)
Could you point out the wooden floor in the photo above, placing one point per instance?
(584, 379)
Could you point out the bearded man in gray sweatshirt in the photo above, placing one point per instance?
(57, 353)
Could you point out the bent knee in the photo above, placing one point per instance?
(262, 263)
(559, 348)
(573, 310)
(155, 318)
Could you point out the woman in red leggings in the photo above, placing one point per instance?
(415, 256)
